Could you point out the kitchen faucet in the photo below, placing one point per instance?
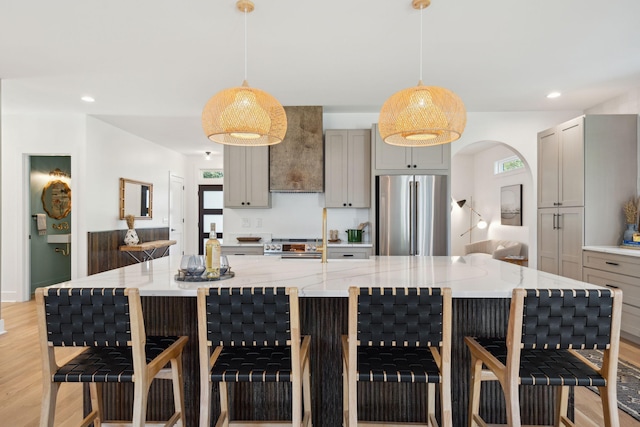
(323, 248)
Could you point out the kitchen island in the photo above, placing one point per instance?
(481, 290)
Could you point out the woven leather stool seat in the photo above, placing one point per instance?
(252, 335)
(397, 364)
(398, 335)
(547, 367)
(546, 326)
(253, 364)
(109, 364)
(107, 324)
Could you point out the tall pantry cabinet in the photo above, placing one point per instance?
(587, 169)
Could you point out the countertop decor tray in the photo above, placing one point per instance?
(182, 278)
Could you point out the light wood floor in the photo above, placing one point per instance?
(21, 378)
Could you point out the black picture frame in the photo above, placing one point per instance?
(511, 205)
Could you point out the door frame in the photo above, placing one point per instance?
(202, 232)
(177, 178)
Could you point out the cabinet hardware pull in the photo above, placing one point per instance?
(611, 286)
(559, 216)
(611, 263)
(347, 254)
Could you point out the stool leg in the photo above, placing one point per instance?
(513, 404)
(296, 401)
(608, 396)
(205, 402)
(178, 387)
(431, 402)
(345, 395)
(95, 391)
(48, 408)
(306, 393)
(140, 395)
(474, 390)
(562, 404)
(224, 404)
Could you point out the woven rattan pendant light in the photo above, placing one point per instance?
(422, 115)
(244, 115)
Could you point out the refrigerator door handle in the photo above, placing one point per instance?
(412, 207)
(414, 226)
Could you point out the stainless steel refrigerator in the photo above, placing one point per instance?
(411, 215)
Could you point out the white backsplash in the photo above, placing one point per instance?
(293, 215)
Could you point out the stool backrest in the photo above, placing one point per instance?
(400, 317)
(567, 318)
(87, 317)
(248, 316)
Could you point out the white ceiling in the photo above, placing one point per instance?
(153, 64)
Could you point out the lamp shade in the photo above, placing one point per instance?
(422, 116)
(244, 116)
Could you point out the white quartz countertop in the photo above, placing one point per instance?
(613, 250)
(468, 276)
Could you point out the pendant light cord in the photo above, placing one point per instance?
(421, 8)
(245, 44)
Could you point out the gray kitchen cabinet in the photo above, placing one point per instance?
(242, 250)
(618, 271)
(246, 177)
(560, 241)
(391, 157)
(587, 169)
(348, 253)
(561, 165)
(347, 168)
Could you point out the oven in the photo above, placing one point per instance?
(293, 248)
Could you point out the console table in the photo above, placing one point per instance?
(147, 251)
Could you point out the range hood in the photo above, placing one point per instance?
(296, 165)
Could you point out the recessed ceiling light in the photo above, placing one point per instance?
(554, 95)
(88, 98)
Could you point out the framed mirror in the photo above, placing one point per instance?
(136, 198)
(56, 199)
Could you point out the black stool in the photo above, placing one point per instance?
(252, 335)
(546, 326)
(398, 335)
(109, 323)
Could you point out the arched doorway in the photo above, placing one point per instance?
(474, 177)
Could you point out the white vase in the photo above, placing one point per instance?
(131, 238)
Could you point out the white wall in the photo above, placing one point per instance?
(100, 155)
(22, 136)
(628, 103)
(478, 169)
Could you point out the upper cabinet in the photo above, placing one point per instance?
(561, 165)
(348, 168)
(392, 157)
(246, 177)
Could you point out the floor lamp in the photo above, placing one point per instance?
(481, 224)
